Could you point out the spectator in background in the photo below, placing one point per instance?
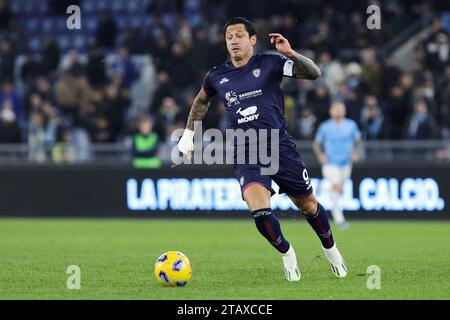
(184, 36)
(160, 49)
(185, 108)
(36, 138)
(38, 94)
(290, 113)
(165, 89)
(397, 110)
(132, 125)
(72, 94)
(9, 128)
(145, 145)
(425, 91)
(370, 72)
(62, 151)
(354, 90)
(179, 67)
(218, 48)
(43, 88)
(95, 68)
(353, 72)
(107, 30)
(75, 65)
(436, 48)
(372, 120)
(100, 132)
(332, 72)
(442, 93)
(7, 58)
(52, 123)
(319, 100)
(169, 117)
(357, 34)
(389, 76)
(113, 108)
(124, 68)
(29, 70)
(306, 124)
(421, 124)
(33, 104)
(9, 93)
(50, 56)
(406, 82)
(289, 30)
(199, 53)
(67, 94)
(322, 40)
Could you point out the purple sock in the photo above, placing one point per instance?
(319, 222)
(268, 225)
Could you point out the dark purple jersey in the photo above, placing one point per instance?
(251, 93)
(253, 100)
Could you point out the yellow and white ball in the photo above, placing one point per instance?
(173, 269)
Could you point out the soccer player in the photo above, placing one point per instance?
(249, 86)
(336, 146)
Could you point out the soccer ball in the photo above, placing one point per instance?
(173, 269)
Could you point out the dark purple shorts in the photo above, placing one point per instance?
(292, 176)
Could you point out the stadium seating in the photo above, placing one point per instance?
(34, 17)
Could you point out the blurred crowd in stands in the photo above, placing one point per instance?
(101, 93)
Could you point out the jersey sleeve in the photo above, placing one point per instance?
(320, 134)
(208, 86)
(284, 67)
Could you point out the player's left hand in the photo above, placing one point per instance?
(355, 157)
(281, 44)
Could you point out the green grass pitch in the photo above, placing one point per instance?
(230, 260)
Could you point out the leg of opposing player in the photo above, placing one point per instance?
(258, 200)
(317, 218)
(336, 176)
(336, 211)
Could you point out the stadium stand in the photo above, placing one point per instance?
(137, 58)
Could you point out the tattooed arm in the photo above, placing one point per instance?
(304, 68)
(198, 110)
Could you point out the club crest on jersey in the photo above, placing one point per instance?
(256, 72)
(231, 98)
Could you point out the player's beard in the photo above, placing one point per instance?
(237, 57)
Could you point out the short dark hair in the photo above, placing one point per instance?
(249, 27)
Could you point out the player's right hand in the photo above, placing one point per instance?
(186, 143)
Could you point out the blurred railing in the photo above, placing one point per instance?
(120, 153)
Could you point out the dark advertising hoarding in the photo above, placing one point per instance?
(393, 191)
